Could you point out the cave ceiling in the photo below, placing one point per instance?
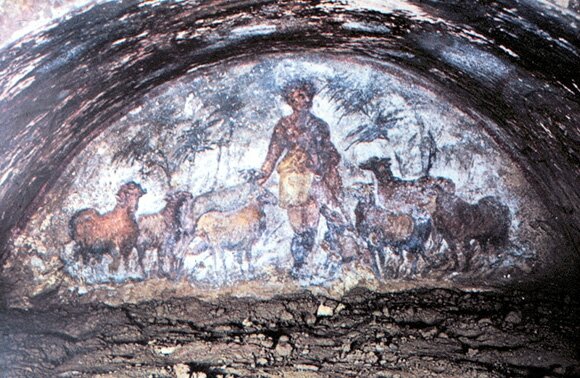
(257, 148)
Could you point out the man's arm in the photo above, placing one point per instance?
(275, 149)
(329, 154)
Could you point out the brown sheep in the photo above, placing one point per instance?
(162, 230)
(381, 229)
(420, 193)
(458, 222)
(115, 232)
(236, 230)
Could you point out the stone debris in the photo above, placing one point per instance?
(514, 317)
(324, 310)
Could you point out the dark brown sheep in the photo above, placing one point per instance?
(458, 222)
(420, 193)
(115, 232)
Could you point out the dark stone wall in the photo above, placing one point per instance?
(421, 333)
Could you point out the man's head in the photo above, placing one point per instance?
(299, 95)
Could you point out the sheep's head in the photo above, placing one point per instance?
(129, 193)
(183, 202)
(178, 197)
(375, 164)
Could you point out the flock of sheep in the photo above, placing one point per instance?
(398, 220)
(426, 207)
(231, 219)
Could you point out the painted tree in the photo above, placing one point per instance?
(165, 140)
(366, 99)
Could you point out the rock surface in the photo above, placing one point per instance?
(438, 333)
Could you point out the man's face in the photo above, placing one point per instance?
(299, 99)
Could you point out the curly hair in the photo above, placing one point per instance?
(304, 85)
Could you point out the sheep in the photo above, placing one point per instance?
(416, 195)
(223, 200)
(236, 230)
(380, 228)
(340, 236)
(115, 232)
(414, 244)
(458, 222)
(162, 230)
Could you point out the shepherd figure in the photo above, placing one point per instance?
(307, 163)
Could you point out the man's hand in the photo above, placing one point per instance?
(262, 178)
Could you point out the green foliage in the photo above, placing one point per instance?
(147, 149)
(367, 99)
(381, 122)
(194, 140)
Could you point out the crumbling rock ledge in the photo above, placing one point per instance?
(436, 332)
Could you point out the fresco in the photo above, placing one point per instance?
(304, 171)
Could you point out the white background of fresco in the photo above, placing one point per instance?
(466, 155)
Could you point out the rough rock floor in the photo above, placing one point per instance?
(421, 333)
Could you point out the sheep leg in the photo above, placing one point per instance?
(468, 253)
(81, 253)
(168, 250)
(172, 266)
(417, 254)
(215, 262)
(412, 257)
(164, 262)
(141, 257)
(123, 255)
(217, 250)
(390, 267)
(161, 262)
(240, 260)
(116, 263)
(178, 256)
(179, 261)
(223, 258)
(426, 259)
(248, 256)
(377, 264)
(245, 256)
(454, 256)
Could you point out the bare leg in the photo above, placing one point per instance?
(332, 183)
(304, 221)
